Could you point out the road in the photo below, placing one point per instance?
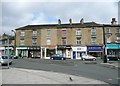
(87, 69)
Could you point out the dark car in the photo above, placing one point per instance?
(57, 57)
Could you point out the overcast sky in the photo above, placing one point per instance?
(17, 13)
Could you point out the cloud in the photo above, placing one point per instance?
(18, 14)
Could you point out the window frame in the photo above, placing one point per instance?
(64, 41)
(93, 31)
(93, 40)
(78, 42)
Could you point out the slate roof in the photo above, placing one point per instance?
(73, 25)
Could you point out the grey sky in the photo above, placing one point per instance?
(18, 14)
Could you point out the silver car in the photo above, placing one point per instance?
(4, 59)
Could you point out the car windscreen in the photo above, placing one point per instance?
(4, 57)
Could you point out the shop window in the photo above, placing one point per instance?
(64, 41)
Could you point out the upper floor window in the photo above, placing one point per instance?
(93, 31)
(22, 42)
(64, 41)
(108, 30)
(34, 41)
(108, 40)
(78, 41)
(34, 33)
(78, 32)
(63, 32)
(118, 30)
(48, 33)
(48, 42)
(93, 40)
(22, 33)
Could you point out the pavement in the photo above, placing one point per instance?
(115, 65)
(27, 76)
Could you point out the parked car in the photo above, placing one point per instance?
(57, 57)
(113, 58)
(88, 57)
(4, 59)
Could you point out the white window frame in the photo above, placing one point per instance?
(22, 42)
(108, 30)
(108, 40)
(35, 33)
(93, 31)
(78, 32)
(22, 33)
(78, 42)
(118, 30)
(34, 41)
(93, 40)
(48, 42)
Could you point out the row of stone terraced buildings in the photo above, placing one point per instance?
(71, 40)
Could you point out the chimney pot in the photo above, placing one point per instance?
(70, 20)
(113, 22)
(82, 21)
(59, 22)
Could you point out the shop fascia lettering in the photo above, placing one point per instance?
(79, 48)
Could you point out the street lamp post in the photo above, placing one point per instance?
(104, 41)
(14, 42)
(8, 53)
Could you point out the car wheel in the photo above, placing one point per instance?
(94, 59)
(62, 58)
(10, 63)
(83, 59)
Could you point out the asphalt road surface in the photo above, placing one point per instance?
(87, 69)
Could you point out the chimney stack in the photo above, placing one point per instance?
(82, 21)
(59, 22)
(70, 20)
(113, 22)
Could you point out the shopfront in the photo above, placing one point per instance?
(65, 50)
(113, 50)
(22, 52)
(95, 51)
(47, 51)
(34, 52)
(78, 51)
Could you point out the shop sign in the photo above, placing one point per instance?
(113, 46)
(79, 48)
(63, 46)
(94, 48)
(34, 48)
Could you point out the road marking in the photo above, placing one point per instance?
(110, 79)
